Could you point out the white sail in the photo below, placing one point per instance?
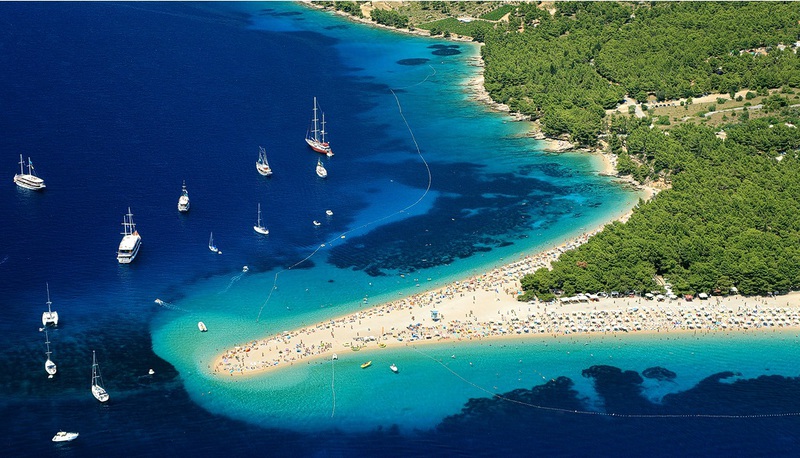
(258, 227)
(98, 391)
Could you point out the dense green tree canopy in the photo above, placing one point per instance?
(730, 219)
(567, 67)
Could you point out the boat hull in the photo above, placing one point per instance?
(129, 248)
(64, 436)
(320, 147)
(263, 169)
(50, 317)
(183, 204)
(50, 367)
(31, 182)
(99, 393)
(261, 230)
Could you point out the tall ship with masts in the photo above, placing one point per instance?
(315, 137)
(28, 180)
(131, 240)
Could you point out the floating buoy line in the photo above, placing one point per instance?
(402, 210)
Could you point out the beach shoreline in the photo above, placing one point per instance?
(367, 329)
(476, 312)
(485, 308)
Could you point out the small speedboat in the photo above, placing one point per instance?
(328, 212)
(393, 368)
(335, 357)
(366, 365)
(201, 326)
(317, 223)
(64, 436)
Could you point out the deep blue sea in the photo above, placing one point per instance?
(118, 103)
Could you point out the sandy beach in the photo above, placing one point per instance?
(486, 307)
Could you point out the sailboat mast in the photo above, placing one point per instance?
(21, 165)
(315, 121)
(323, 127)
(47, 341)
(48, 297)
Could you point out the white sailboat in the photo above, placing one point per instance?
(321, 172)
(315, 137)
(258, 227)
(183, 200)
(261, 164)
(28, 180)
(49, 365)
(131, 240)
(98, 391)
(49, 316)
(211, 245)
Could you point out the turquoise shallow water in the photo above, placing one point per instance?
(490, 185)
(147, 95)
(432, 384)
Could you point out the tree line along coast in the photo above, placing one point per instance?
(696, 98)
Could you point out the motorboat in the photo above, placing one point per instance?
(328, 212)
(201, 326)
(393, 368)
(183, 200)
(366, 365)
(65, 436)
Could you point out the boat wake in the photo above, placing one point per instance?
(233, 280)
(169, 306)
(402, 210)
(4, 260)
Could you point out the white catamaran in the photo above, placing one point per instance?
(258, 227)
(49, 316)
(315, 136)
(28, 180)
(98, 391)
(261, 164)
